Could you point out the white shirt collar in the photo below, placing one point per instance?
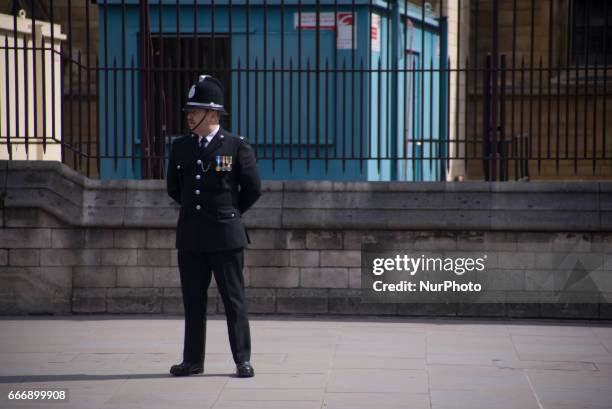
(210, 135)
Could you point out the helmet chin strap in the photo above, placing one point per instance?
(203, 118)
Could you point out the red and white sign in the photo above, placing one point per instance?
(343, 23)
(308, 21)
(375, 33)
(346, 28)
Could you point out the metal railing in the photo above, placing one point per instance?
(353, 90)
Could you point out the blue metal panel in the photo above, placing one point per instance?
(343, 133)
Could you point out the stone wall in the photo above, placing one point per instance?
(75, 245)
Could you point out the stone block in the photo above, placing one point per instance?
(21, 238)
(4, 257)
(94, 276)
(156, 257)
(302, 301)
(118, 257)
(166, 277)
(340, 258)
(324, 277)
(37, 290)
(88, 300)
(347, 301)
(304, 258)
(134, 277)
(261, 300)
(272, 258)
(324, 240)
(70, 257)
(161, 238)
(134, 300)
(82, 238)
(354, 277)
(274, 276)
(24, 257)
(129, 238)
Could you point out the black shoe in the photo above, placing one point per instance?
(187, 368)
(245, 370)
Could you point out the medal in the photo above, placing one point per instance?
(218, 160)
(229, 163)
(224, 167)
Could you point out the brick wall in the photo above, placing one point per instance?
(75, 245)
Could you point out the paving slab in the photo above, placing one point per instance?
(310, 362)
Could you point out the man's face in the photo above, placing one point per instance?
(194, 116)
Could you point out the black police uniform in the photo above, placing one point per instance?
(214, 186)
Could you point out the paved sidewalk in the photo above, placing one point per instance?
(122, 362)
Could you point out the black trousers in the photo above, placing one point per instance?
(196, 269)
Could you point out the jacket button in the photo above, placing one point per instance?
(198, 207)
(198, 177)
(233, 214)
(199, 162)
(197, 192)
(178, 166)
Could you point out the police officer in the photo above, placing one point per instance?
(213, 175)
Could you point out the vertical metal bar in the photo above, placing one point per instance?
(133, 104)
(475, 64)
(531, 65)
(431, 142)
(558, 124)
(265, 73)
(568, 73)
(123, 87)
(594, 138)
(326, 115)
(256, 105)
(522, 158)
(457, 85)
(80, 119)
(361, 103)
(88, 74)
(549, 72)
(213, 14)
(318, 67)
(540, 81)
(282, 80)
(290, 146)
(605, 86)
(308, 132)
(494, 97)
(353, 35)
(512, 124)
(98, 150)
(273, 114)
(52, 53)
(248, 65)
(465, 137)
(105, 11)
(344, 114)
(500, 146)
(423, 72)
(379, 113)
(26, 102)
(7, 98)
(115, 142)
(239, 104)
(486, 119)
(586, 78)
(35, 93)
(299, 73)
(577, 75)
(16, 80)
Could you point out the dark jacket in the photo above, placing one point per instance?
(212, 200)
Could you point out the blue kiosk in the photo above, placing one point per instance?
(377, 85)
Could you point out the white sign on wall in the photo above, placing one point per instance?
(375, 33)
(344, 26)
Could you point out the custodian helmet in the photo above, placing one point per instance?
(207, 93)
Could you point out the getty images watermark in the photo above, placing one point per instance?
(412, 265)
(540, 272)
